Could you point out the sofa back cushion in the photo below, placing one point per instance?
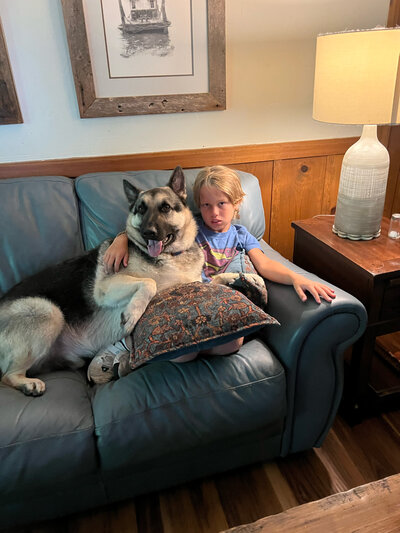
(39, 226)
(104, 207)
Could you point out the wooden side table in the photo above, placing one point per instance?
(370, 270)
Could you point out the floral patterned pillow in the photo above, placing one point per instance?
(191, 317)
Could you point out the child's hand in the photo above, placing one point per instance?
(116, 254)
(318, 290)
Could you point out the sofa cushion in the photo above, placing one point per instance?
(165, 408)
(45, 226)
(104, 207)
(46, 443)
(192, 317)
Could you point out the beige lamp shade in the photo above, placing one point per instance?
(357, 77)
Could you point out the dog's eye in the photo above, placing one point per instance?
(141, 209)
(105, 368)
(165, 208)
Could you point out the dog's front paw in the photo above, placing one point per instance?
(147, 289)
(129, 320)
(124, 320)
(252, 286)
(227, 278)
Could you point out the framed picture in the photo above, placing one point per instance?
(10, 112)
(139, 57)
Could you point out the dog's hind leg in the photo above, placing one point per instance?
(121, 302)
(28, 328)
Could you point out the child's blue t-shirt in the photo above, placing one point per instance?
(221, 248)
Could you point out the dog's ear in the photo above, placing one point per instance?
(131, 192)
(177, 183)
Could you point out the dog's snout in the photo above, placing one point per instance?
(149, 233)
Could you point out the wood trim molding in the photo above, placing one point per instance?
(10, 112)
(229, 155)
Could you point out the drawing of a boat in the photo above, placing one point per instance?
(145, 16)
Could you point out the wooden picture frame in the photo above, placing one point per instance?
(10, 112)
(91, 106)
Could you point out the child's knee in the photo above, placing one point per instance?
(185, 358)
(226, 349)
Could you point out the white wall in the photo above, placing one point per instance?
(270, 64)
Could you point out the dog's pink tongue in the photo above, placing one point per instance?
(154, 248)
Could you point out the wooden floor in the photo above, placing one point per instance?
(350, 456)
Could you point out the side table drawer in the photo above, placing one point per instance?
(390, 307)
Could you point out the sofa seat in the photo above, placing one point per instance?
(153, 417)
(47, 443)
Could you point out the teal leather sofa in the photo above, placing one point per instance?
(80, 446)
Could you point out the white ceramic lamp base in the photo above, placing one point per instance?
(362, 188)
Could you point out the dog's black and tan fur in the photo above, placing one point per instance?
(75, 309)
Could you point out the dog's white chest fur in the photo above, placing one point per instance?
(168, 270)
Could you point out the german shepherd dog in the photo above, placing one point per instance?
(74, 309)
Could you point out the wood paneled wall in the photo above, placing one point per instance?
(298, 180)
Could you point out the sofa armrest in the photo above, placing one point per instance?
(310, 343)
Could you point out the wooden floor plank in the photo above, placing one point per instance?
(343, 471)
(195, 508)
(280, 486)
(307, 476)
(392, 420)
(239, 487)
(148, 514)
(123, 518)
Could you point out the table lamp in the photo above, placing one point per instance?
(357, 81)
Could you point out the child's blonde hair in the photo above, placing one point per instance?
(223, 178)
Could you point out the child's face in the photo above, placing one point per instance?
(216, 209)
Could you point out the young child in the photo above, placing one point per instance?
(218, 194)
